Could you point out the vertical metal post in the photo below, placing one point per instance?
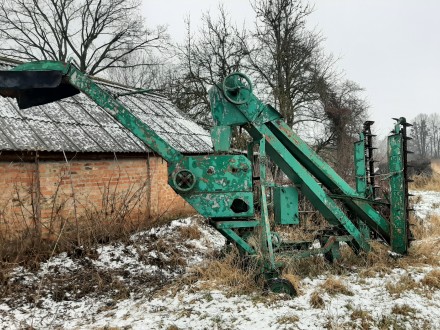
(398, 217)
(250, 152)
(266, 239)
(369, 160)
(359, 166)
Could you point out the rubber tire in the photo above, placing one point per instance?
(281, 285)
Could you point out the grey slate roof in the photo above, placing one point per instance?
(77, 124)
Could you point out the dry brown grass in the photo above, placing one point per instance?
(426, 182)
(426, 228)
(404, 283)
(426, 249)
(365, 318)
(286, 320)
(378, 260)
(432, 279)
(403, 310)
(295, 280)
(306, 267)
(316, 300)
(190, 232)
(426, 252)
(334, 286)
(230, 272)
(30, 249)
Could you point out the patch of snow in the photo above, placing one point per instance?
(426, 203)
(214, 309)
(209, 309)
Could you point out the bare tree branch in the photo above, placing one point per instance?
(96, 34)
(205, 59)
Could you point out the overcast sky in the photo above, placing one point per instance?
(389, 47)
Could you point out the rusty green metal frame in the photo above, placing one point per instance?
(306, 169)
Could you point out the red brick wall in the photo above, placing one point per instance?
(15, 196)
(134, 189)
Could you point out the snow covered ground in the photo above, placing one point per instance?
(138, 276)
(426, 203)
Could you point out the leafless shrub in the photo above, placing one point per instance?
(121, 212)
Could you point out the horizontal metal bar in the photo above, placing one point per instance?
(235, 224)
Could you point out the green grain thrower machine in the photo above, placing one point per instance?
(223, 186)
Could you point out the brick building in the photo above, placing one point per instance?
(70, 160)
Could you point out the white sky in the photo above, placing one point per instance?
(389, 47)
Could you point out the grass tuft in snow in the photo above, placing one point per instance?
(426, 182)
(190, 232)
(432, 279)
(288, 320)
(361, 318)
(316, 300)
(334, 286)
(403, 310)
(403, 284)
(231, 272)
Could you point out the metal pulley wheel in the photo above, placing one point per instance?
(237, 88)
(184, 180)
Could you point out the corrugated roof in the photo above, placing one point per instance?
(78, 124)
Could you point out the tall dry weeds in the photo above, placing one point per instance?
(425, 182)
(426, 248)
(72, 232)
(230, 271)
(432, 279)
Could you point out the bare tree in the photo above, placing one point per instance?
(434, 139)
(345, 111)
(150, 75)
(420, 132)
(426, 135)
(287, 58)
(96, 34)
(205, 59)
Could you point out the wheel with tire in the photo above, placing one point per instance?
(281, 285)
